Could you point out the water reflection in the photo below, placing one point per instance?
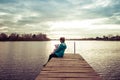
(103, 57)
(22, 60)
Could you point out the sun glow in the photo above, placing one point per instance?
(70, 24)
(75, 23)
(79, 28)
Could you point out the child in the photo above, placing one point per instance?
(58, 51)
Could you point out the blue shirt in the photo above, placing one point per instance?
(61, 49)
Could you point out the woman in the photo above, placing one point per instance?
(59, 52)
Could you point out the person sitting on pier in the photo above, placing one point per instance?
(59, 52)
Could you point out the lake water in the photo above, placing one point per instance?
(24, 60)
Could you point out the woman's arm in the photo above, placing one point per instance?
(59, 48)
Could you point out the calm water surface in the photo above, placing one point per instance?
(24, 60)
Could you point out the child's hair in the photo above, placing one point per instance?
(62, 39)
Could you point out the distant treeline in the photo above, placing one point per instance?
(110, 38)
(43, 37)
(105, 38)
(23, 37)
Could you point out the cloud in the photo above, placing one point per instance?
(7, 1)
(35, 15)
(114, 19)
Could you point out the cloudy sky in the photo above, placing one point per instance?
(68, 18)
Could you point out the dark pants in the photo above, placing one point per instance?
(51, 56)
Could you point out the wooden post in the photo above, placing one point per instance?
(74, 47)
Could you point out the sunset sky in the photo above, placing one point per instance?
(68, 18)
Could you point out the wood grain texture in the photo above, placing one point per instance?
(70, 67)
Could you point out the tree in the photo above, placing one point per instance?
(3, 37)
(13, 37)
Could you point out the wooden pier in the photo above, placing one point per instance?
(70, 67)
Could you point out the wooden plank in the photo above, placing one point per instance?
(63, 68)
(67, 70)
(67, 78)
(68, 75)
(70, 67)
